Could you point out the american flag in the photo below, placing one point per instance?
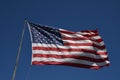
(53, 46)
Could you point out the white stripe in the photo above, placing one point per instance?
(72, 35)
(70, 53)
(80, 33)
(71, 60)
(80, 41)
(60, 46)
(99, 44)
(68, 47)
(84, 41)
(96, 37)
(86, 33)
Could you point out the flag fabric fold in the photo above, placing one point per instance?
(53, 46)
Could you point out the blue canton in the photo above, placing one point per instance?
(44, 34)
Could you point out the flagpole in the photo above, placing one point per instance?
(19, 50)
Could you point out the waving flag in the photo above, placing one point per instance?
(52, 46)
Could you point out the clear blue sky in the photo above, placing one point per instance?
(73, 15)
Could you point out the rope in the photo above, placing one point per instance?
(18, 54)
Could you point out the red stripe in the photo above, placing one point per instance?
(67, 64)
(84, 44)
(78, 44)
(67, 32)
(96, 40)
(89, 31)
(68, 50)
(90, 35)
(86, 35)
(81, 38)
(69, 56)
(99, 47)
(74, 38)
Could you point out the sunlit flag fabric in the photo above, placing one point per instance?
(53, 46)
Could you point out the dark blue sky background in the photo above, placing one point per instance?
(72, 15)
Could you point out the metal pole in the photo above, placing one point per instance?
(19, 50)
